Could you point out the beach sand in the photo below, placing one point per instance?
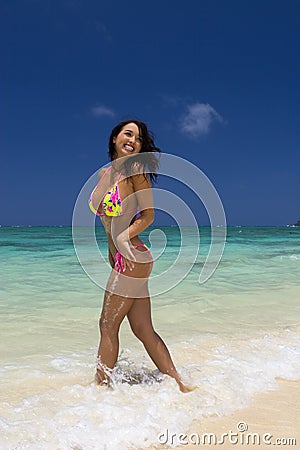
(275, 412)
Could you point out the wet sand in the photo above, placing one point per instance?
(270, 416)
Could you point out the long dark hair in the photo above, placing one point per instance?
(150, 164)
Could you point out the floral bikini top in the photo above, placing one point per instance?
(112, 202)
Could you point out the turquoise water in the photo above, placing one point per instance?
(232, 336)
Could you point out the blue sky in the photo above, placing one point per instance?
(218, 82)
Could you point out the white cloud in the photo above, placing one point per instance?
(101, 110)
(198, 119)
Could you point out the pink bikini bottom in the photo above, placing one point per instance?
(119, 263)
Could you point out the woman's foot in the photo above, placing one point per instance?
(185, 388)
(100, 381)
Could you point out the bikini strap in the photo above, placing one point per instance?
(120, 174)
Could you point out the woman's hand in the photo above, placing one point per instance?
(125, 247)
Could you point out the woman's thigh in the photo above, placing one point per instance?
(140, 313)
(114, 309)
(132, 283)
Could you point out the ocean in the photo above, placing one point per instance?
(232, 336)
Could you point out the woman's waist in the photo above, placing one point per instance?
(120, 223)
(113, 245)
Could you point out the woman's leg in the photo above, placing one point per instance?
(113, 312)
(138, 311)
(139, 317)
(120, 294)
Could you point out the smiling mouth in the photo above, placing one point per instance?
(128, 148)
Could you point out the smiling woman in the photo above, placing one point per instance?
(123, 200)
(130, 131)
(128, 141)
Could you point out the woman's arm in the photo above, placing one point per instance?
(143, 192)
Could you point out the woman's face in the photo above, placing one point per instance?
(128, 141)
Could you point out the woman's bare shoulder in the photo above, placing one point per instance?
(136, 168)
(101, 172)
(141, 181)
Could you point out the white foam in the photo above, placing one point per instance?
(63, 413)
(291, 257)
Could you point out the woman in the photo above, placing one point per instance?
(123, 199)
